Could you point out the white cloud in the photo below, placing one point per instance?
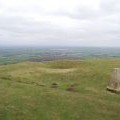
(60, 22)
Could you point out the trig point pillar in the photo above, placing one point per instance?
(114, 83)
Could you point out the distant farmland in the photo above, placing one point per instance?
(10, 55)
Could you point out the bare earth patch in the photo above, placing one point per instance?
(49, 70)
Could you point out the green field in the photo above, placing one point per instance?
(58, 90)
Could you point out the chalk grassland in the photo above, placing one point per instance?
(58, 90)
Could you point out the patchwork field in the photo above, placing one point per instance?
(58, 90)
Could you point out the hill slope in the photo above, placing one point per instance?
(58, 90)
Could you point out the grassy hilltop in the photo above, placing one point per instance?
(58, 90)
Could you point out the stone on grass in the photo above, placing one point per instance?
(54, 85)
(114, 83)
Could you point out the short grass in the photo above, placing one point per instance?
(27, 90)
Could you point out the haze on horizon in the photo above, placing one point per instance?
(60, 23)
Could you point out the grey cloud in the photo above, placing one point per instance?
(80, 14)
(19, 27)
(106, 8)
(92, 27)
(111, 6)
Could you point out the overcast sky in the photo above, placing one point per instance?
(60, 22)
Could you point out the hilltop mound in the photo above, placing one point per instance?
(58, 90)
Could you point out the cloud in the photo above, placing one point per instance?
(60, 22)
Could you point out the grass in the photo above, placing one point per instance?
(26, 91)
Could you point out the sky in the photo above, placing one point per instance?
(60, 23)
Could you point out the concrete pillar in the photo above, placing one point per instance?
(114, 83)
